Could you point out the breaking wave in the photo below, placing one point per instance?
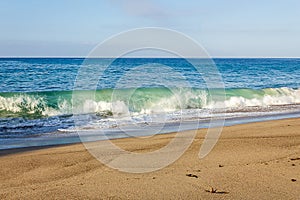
(106, 102)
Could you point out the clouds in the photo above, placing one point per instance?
(228, 28)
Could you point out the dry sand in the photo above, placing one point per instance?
(250, 161)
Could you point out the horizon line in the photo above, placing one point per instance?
(213, 57)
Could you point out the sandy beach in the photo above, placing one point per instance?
(250, 161)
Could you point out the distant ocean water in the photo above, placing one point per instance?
(36, 104)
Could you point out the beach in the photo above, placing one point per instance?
(149, 100)
(250, 161)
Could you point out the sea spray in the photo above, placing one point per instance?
(108, 102)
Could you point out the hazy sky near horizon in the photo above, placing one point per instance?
(225, 28)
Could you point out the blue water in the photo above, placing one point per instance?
(58, 74)
(37, 97)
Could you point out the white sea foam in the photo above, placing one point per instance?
(147, 104)
(280, 96)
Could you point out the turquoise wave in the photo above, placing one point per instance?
(140, 101)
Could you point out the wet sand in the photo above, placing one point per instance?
(250, 161)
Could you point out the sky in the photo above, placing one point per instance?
(225, 28)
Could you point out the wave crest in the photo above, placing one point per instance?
(141, 101)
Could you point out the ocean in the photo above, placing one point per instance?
(137, 96)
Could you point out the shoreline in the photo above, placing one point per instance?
(258, 160)
(171, 128)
